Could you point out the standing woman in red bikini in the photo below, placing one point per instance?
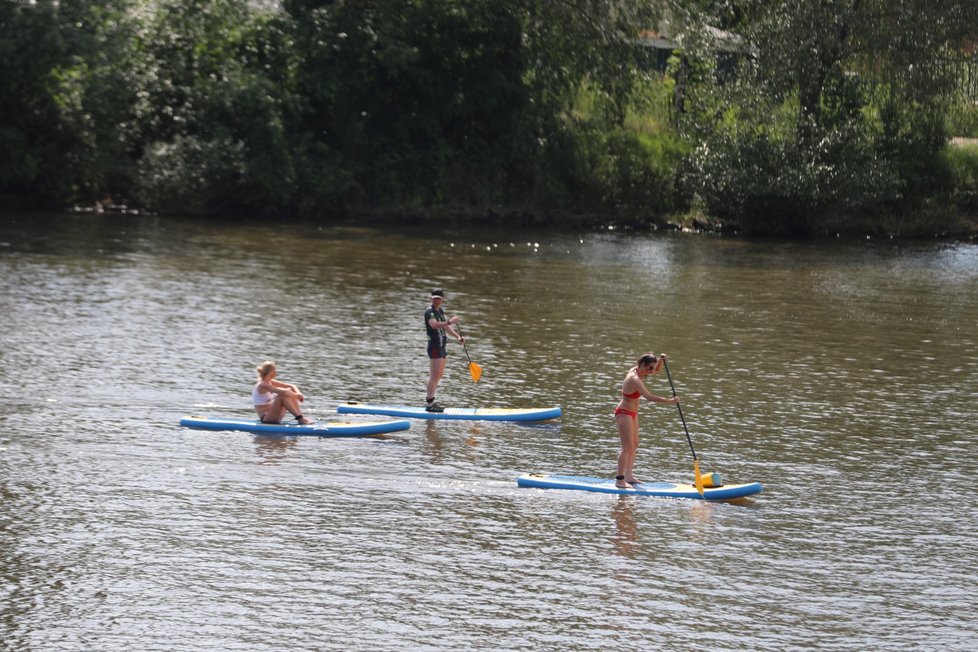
(626, 414)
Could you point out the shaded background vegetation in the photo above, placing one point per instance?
(780, 117)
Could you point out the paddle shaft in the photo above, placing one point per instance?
(681, 417)
(474, 369)
(464, 348)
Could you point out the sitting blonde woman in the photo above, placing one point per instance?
(273, 398)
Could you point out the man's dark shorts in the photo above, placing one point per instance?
(437, 350)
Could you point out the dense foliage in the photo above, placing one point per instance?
(839, 109)
(796, 117)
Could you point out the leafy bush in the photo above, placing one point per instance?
(963, 119)
(190, 175)
(598, 160)
(636, 172)
(962, 165)
(768, 184)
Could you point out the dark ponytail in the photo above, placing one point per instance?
(648, 360)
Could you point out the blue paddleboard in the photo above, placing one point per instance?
(471, 414)
(321, 429)
(664, 489)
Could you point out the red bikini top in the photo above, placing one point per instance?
(632, 395)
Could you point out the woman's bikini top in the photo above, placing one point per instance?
(632, 395)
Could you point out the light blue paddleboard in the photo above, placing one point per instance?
(321, 429)
(471, 414)
(664, 489)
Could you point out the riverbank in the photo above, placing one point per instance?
(933, 223)
(925, 225)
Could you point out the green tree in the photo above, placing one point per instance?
(395, 95)
(64, 93)
(434, 101)
(212, 109)
(838, 106)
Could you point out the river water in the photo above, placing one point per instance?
(842, 375)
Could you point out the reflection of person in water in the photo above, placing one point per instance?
(434, 441)
(626, 529)
(272, 449)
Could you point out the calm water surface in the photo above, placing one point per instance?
(843, 376)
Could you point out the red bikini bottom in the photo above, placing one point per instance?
(630, 413)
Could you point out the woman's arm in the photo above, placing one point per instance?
(285, 389)
(649, 396)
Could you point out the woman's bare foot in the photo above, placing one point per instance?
(621, 483)
(304, 421)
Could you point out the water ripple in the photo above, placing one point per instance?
(843, 378)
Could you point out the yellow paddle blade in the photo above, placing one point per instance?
(696, 474)
(476, 372)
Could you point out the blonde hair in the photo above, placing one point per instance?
(265, 368)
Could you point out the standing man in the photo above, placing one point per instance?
(437, 326)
